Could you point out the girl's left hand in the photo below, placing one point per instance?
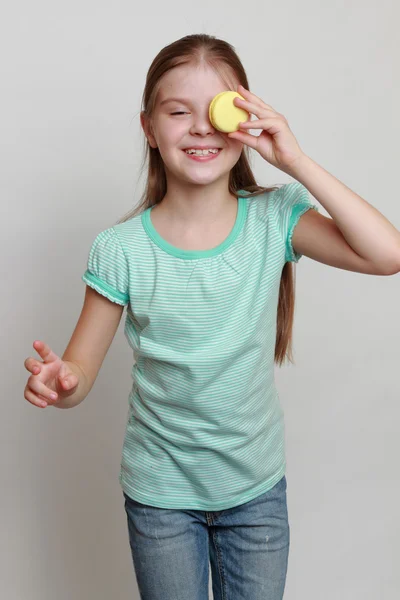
(276, 142)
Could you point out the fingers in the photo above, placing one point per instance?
(33, 399)
(246, 93)
(41, 389)
(69, 382)
(46, 353)
(32, 365)
(38, 393)
(255, 124)
(248, 106)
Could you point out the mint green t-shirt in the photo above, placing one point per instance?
(205, 429)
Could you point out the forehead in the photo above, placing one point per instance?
(189, 82)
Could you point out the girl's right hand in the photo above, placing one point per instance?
(50, 376)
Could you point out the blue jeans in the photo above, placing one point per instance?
(247, 547)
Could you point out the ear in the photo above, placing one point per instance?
(148, 130)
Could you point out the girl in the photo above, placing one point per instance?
(205, 268)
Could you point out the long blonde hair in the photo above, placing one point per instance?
(221, 56)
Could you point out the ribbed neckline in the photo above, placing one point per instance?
(190, 254)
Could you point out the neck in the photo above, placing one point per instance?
(197, 204)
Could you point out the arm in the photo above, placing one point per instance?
(89, 343)
(358, 237)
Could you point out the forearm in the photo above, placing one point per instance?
(365, 229)
(82, 390)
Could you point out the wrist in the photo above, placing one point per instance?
(81, 391)
(298, 166)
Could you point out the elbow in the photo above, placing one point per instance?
(392, 268)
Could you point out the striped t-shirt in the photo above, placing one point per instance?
(205, 428)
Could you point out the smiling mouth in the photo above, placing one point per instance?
(203, 156)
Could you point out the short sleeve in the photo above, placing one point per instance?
(107, 267)
(291, 201)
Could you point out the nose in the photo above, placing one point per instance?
(201, 124)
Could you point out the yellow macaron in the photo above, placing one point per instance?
(224, 115)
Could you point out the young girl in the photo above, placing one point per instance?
(205, 268)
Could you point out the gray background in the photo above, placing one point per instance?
(72, 76)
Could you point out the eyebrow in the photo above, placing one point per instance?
(184, 100)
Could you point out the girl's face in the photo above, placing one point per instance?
(184, 122)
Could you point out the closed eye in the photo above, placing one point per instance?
(179, 113)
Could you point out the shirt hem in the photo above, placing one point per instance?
(196, 505)
(103, 288)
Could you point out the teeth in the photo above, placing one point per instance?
(201, 152)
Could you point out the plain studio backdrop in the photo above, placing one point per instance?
(72, 78)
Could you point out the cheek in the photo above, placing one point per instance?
(172, 136)
(235, 148)
(229, 142)
(236, 144)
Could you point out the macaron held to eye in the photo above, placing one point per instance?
(224, 115)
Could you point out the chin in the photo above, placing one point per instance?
(205, 179)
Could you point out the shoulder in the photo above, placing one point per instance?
(288, 195)
(263, 204)
(128, 231)
(279, 201)
(118, 237)
(283, 203)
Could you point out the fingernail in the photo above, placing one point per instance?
(53, 396)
